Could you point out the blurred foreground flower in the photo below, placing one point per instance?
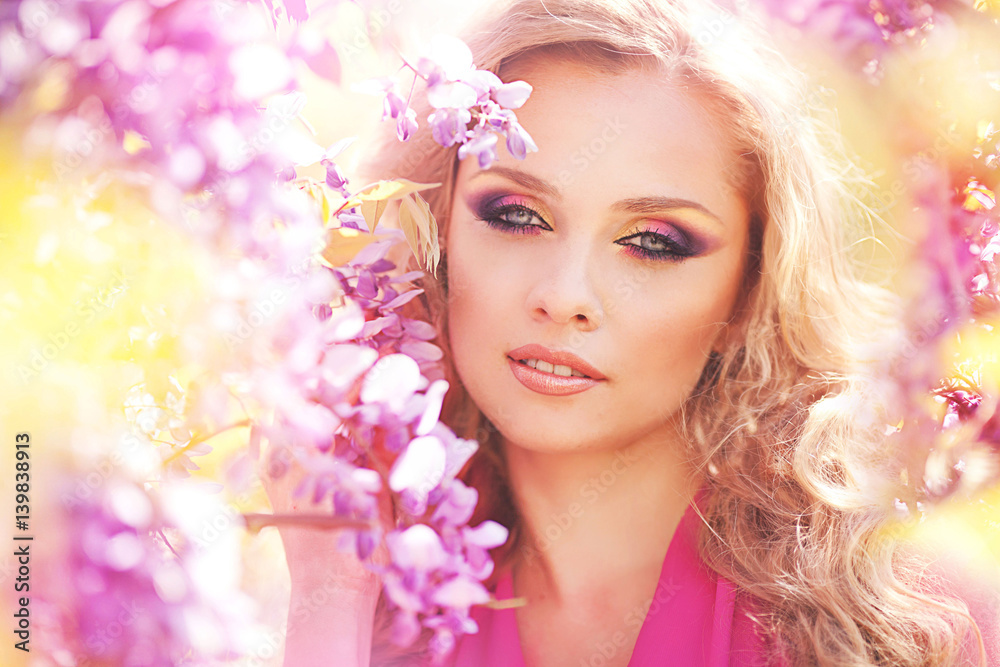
(166, 138)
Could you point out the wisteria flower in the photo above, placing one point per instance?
(449, 125)
(481, 144)
(469, 104)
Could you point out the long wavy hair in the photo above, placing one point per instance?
(784, 427)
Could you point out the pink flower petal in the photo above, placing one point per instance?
(512, 95)
(344, 363)
(421, 350)
(452, 95)
(402, 299)
(420, 467)
(392, 380)
(432, 411)
(487, 535)
(419, 329)
(460, 592)
(417, 547)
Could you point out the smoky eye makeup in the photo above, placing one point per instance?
(661, 241)
(653, 240)
(511, 213)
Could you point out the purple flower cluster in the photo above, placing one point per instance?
(166, 96)
(127, 596)
(862, 30)
(968, 403)
(193, 104)
(372, 425)
(471, 106)
(436, 570)
(958, 262)
(982, 234)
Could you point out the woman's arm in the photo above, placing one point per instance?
(331, 612)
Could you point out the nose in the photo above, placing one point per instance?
(564, 291)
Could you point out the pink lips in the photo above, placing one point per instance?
(549, 383)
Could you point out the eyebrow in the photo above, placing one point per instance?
(528, 181)
(639, 205)
(657, 204)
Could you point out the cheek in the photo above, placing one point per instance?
(682, 317)
(482, 276)
(478, 294)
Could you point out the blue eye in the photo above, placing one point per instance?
(518, 218)
(513, 218)
(658, 247)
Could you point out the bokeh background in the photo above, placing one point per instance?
(141, 287)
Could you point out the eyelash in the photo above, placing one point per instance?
(675, 252)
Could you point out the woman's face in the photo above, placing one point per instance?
(621, 241)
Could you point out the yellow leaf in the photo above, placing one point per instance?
(344, 243)
(420, 229)
(372, 210)
(389, 190)
(316, 191)
(978, 196)
(372, 198)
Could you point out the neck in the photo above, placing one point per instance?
(596, 517)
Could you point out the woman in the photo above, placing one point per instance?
(709, 491)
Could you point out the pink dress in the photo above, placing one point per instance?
(694, 619)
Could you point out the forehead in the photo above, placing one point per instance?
(629, 132)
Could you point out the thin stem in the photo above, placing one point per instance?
(256, 521)
(160, 532)
(302, 119)
(509, 603)
(412, 86)
(197, 441)
(383, 472)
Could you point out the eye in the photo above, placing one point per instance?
(653, 245)
(515, 218)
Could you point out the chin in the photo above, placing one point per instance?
(557, 439)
